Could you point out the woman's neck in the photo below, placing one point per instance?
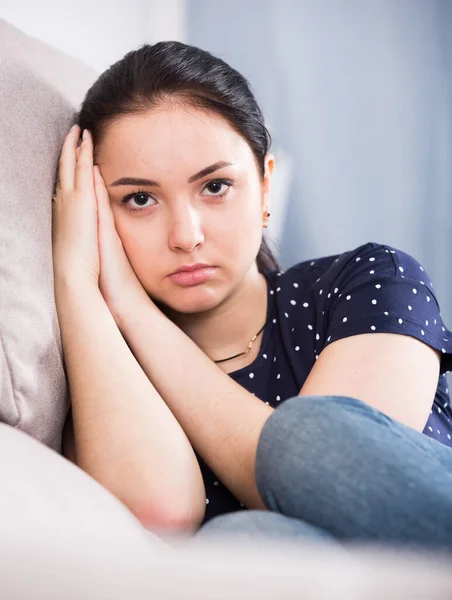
(227, 329)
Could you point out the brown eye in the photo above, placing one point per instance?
(139, 200)
(218, 187)
(214, 187)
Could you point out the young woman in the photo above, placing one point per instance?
(204, 380)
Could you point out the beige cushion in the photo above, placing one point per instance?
(40, 91)
(63, 536)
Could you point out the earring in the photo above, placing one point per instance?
(266, 215)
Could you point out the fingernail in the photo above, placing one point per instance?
(85, 134)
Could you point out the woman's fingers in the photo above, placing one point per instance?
(100, 184)
(84, 178)
(67, 162)
(75, 170)
(105, 213)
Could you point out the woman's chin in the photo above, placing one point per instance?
(188, 303)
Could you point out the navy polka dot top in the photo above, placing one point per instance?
(374, 288)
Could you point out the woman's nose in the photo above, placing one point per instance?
(185, 231)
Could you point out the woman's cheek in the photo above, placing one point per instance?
(140, 249)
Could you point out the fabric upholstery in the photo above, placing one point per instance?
(40, 91)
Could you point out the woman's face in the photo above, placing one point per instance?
(203, 203)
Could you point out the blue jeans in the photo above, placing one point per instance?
(334, 469)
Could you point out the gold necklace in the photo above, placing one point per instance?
(250, 345)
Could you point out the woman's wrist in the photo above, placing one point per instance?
(73, 287)
(128, 308)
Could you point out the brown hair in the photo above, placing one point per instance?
(154, 73)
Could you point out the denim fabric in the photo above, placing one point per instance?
(346, 468)
(247, 525)
(334, 469)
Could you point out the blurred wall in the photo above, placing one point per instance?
(359, 94)
(98, 32)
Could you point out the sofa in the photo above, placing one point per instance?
(62, 534)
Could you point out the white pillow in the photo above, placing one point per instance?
(40, 92)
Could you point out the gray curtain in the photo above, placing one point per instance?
(359, 94)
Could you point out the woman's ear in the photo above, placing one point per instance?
(269, 165)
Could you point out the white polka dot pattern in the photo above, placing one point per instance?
(369, 290)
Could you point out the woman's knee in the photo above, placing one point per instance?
(336, 430)
(318, 414)
(342, 465)
(306, 427)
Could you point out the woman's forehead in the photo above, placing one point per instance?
(165, 138)
(162, 128)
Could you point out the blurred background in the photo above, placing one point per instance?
(357, 95)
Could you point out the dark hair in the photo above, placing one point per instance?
(169, 71)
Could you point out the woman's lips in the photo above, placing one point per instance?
(193, 277)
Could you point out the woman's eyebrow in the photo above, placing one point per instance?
(208, 170)
(149, 182)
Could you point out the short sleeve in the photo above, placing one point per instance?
(379, 289)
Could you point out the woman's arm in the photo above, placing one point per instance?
(125, 436)
(396, 374)
(222, 420)
(68, 442)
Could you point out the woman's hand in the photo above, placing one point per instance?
(74, 219)
(119, 285)
(86, 245)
